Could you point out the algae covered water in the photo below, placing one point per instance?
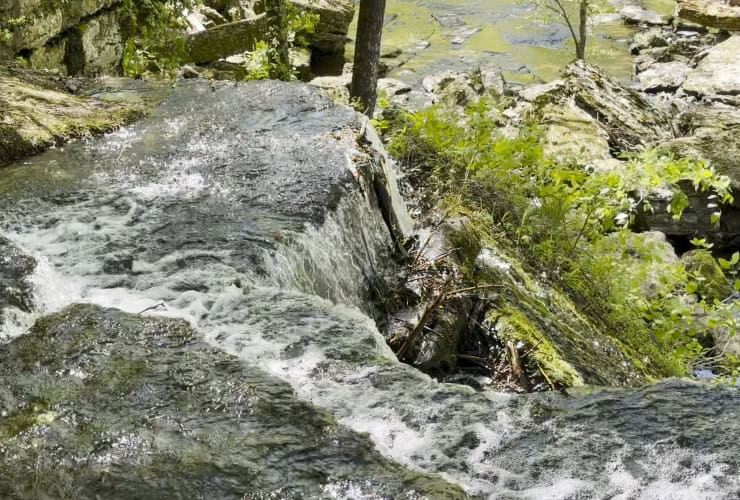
(232, 237)
(431, 36)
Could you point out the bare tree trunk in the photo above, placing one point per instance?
(367, 53)
(582, 30)
(278, 54)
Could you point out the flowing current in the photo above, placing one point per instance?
(239, 210)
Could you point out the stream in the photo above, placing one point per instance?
(237, 209)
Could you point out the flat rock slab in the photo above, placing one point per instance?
(720, 14)
(718, 74)
(663, 77)
(633, 14)
(97, 403)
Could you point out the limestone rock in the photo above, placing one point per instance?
(633, 14)
(718, 75)
(662, 77)
(330, 34)
(630, 120)
(714, 13)
(710, 133)
(648, 39)
(392, 87)
(46, 20)
(572, 135)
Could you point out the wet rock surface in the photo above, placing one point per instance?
(16, 289)
(98, 402)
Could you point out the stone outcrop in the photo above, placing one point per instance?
(171, 416)
(75, 38)
(722, 14)
(250, 25)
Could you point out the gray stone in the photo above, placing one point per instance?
(102, 45)
(633, 14)
(392, 87)
(648, 39)
(663, 77)
(149, 398)
(718, 75)
(491, 78)
(710, 133)
(572, 135)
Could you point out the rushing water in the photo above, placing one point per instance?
(237, 209)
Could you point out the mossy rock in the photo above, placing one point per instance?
(34, 117)
(706, 272)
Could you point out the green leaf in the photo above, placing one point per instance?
(736, 287)
(692, 287)
(724, 264)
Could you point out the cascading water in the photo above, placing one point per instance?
(238, 209)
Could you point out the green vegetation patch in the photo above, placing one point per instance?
(599, 299)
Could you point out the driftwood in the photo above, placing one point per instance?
(426, 315)
(516, 366)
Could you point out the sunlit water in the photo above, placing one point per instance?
(237, 209)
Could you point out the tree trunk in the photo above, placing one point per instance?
(582, 30)
(367, 53)
(278, 54)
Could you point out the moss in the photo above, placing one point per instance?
(36, 117)
(22, 419)
(513, 325)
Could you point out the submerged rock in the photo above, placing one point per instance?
(100, 403)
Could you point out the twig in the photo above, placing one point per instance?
(473, 288)
(411, 339)
(549, 382)
(151, 308)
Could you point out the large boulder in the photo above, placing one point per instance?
(722, 14)
(98, 403)
(717, 77)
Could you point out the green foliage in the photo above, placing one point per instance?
(573, 226)
(12, 24)
(154, 31)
